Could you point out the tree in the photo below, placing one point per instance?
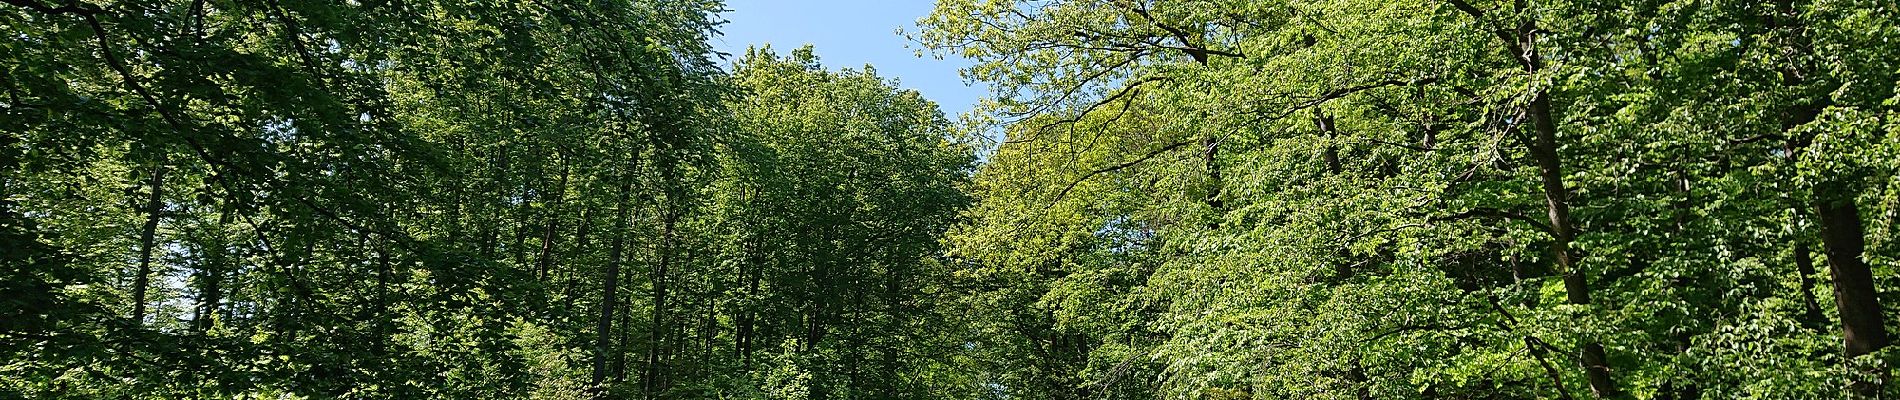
(1413, 198)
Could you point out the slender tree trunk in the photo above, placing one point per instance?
(1556, 198)
(211, 279)
(551, 223)
(1210, 153)
(154, 208)
(708, 328)
(1804, 264)
(210, 291)
(857, 327)
(1521, 44)
(620, 369)
(458, 192)
(745, 310)
(749, 312)
(582, 242)
(818, 313)
(523, 228)
(655, 382)
(385, 323)
(490, 206)
(603, 345)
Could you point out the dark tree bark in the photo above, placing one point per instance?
(1843, 239)
(1563, 231)
(551, 222)
(1520, 43)
(582, 242)
(747, 312)
(667, 165)
(655, 382)
(1804, 264)
(1331, 155)
(619, 369)
(1843, 234)
(148, 235)
(210, 292)
(211, 279)
(385, 323)
(1210, 153)
(524, 224)
(1863, 328)
(603, 345)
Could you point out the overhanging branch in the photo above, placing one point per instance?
(1116, 167)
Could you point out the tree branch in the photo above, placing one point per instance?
(1495, 213)
(1126, 91)
(1116, 167)
(70, 7)
(1199, 53)
(1336, 94)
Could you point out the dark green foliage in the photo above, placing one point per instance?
(1432, 199)
(1218, 199)
(317, 199)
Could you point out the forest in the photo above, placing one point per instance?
(1179, 199)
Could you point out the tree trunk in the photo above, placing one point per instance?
(154, 207)
(385, 323)
(747, 310)
(523, 228)
(670, 210)
(655, 383)
(211, 279)
(1543, 149)
(748, 314)
(209, 294)
(582, 242)
(1331, 155)
(619, 369)
(1863, 328)
(1210, 151)
(603, 344)
(1521, 44)
(1804, 264)
(551, 223)
(1843, 236)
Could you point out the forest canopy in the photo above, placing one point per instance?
(1182, 199)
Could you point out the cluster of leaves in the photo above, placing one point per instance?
(1431, 198)
(455, 199)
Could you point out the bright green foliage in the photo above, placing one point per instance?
(318, 199)
(1347, 199)
(1219, 199)
(834, 203)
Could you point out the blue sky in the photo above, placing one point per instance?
(851, 33)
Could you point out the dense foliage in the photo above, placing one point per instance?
(1220, 199)
(1434, 198)
(447, 199)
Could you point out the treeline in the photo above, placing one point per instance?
(1219, 199)
(459, 200)
(1359, 199)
